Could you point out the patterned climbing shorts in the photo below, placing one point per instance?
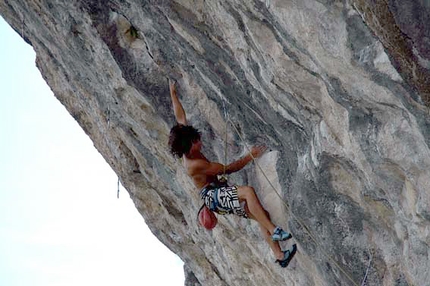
(222, 200)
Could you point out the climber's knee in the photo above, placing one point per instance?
(245, 192)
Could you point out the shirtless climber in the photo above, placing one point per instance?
(184, 141)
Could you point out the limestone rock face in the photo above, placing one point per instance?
(336, 89)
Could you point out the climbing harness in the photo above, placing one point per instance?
(302, 224)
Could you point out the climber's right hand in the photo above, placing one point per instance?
(257, 151)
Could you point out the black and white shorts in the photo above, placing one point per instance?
(222, 200)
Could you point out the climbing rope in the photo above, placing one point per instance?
(225, 139)
(117, 192)
(367, 270)
(22, 25)
(302, 224)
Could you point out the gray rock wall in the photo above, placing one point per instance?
(335, 89)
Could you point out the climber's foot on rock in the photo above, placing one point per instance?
(280, 235)
(288, 255)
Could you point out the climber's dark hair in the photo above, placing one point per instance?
(182, 138)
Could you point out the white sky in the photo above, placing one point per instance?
(60, 220)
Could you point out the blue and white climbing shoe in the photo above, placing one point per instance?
(279, 234)
(288, 255)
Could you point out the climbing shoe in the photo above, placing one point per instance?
(279, 234)
(288, 255)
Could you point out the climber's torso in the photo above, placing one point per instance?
(198, 168)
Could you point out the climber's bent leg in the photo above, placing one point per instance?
(254, 207)
(248, 195)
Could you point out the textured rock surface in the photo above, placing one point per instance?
(340, 102)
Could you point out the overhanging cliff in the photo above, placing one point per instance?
(338, 90)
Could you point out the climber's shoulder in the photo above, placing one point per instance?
(194, 165)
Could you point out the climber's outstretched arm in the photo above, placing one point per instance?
(177, 106)
(235, 166)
